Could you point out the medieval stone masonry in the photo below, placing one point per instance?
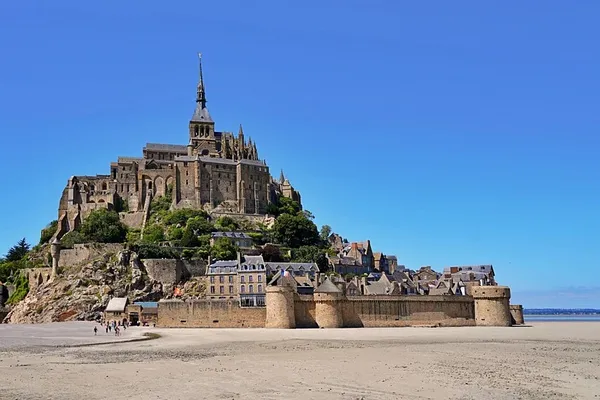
(216, 171)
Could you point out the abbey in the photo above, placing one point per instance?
(216, 171)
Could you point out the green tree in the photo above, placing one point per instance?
(224, 249)
(174, 232)
(189, 238)
(283, 205)
(311, 254)
(18, 251)
(200, 226)
(295, 230)
(226, 224)
(324, 235)
(271, 253)
(103, 226)
(48, 232)
(153, 233)
(181, 216)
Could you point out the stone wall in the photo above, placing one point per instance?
(165, 270)
(304, 311)
(382, 311)
(86, 252)
(132, 219)
(194, 268)
(208, 314)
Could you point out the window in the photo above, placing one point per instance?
(221, 289)
(186, 181)
(221, 279)
(250, 278)
(260, 278)
(259, 288)
(212, 289)
(242, 289)
(230, 289)
(242, 279)
(212, 279)
(230, 278)
(250, 289)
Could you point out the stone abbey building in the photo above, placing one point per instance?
(217, 171)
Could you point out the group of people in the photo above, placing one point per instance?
(112, 326)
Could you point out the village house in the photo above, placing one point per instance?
(252, 277)
(222, 279)
(240, 239)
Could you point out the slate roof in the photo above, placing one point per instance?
(147, 304)
(296, 267)
(166, 147)
(201, 114)
(253, 260)
(223, 267)
(117, 304)
(327, 287)
(231, 235)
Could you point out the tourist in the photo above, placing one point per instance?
(95, 330)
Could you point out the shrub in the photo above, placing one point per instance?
(153, 233)
(48, 232)
(103, 226)
(21, 289)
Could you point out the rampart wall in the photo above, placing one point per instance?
(85, 252)
(384, 311)
(209, 314)
(359, 311)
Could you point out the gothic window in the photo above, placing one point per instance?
(196, 130)
(104, 186)
(186, 181)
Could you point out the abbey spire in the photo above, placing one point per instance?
(201, 112)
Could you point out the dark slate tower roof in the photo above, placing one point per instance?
(327, 287)
(201, 113)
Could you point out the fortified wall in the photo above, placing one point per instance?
(209, 314)
(172, 271)
(330, 308)
(81, 253)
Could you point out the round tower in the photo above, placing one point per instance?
(491, 305)
(280, 307)
(516, 312)
(328, 312)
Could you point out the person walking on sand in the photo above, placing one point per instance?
(95, 330)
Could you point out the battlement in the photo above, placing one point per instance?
(490, 292)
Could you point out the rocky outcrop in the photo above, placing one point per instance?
(82, 292)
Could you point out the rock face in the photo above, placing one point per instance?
(82, 292)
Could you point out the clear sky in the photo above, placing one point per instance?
(447, 132)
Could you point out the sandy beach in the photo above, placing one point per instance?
(553, 360)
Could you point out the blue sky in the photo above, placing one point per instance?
(446, 132)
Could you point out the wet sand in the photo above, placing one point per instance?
(550, 360)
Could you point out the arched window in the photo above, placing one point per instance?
(250, 289)
(259, 288)
(104, 186)
(196, 130)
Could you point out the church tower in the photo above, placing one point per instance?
(202, 127)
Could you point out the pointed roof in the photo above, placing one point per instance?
(327, 287)
(281, 177)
